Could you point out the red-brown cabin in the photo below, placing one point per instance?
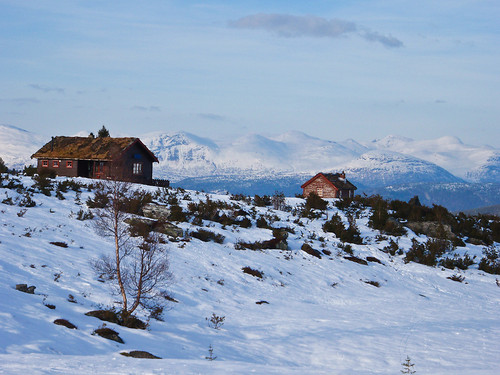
(329, 185)
(126, 159)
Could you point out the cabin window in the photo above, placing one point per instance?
(137, 168)
(55, 164)
(45, 163)
(69, 164)
(137, 156)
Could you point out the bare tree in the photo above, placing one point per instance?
(141, 270)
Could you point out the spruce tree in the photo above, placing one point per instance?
(103, 132)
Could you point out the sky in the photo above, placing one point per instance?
(221, 69)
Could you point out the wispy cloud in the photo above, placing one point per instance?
(290, 26)
(211, 116)
(20, 101)
(152, 108)
(46, 88)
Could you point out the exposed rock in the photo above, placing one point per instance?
(431, 229)
(169, 229)
(65, 323)
(155, 211)
(139, 354)
(106, 315)
(159, 226)
(275, 243)
(373, 259)
(113, 317)
(356, 260)
(109, 334)
(25, 288)
(309, 250)
(474, 241)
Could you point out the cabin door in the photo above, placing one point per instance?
(99, 170)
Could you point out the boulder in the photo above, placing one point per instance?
(109, 334)
(65, 323)
(431, 229)
(139, 354)
(140, 225)
(169, 229)
(25, 288)
(155, 211)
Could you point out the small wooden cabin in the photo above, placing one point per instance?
(126, 159)
(329, 185)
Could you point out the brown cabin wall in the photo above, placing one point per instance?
(61, 170)
(125, 165)
(321, 187)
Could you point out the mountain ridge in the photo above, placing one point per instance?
(259, 164)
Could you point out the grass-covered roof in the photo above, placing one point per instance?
(86, 148)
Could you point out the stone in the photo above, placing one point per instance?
(155, 211)
(431, 228)
(25, 288)
(139, 354)
(109, 334)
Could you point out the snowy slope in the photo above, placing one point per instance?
(17, 146)
(321, 317)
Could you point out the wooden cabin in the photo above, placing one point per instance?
(329, 185)
(126, 159)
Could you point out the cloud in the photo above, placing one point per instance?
(386, 40)
(46, 88)
(211, 116)
(290, 26)
(440, 101)
(152, 108)
(20, 101)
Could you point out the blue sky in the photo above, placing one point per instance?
(333, 69)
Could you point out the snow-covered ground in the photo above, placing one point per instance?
(322, 317)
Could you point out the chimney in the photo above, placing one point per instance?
(342, 175)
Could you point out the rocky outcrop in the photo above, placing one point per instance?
(431, 229)
(25, 288)
(155, 211)
(139, 354)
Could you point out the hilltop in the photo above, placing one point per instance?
(355, 305)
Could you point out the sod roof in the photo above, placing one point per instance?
(87, 148)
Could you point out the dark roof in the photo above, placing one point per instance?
(88, 148)
(336, 179)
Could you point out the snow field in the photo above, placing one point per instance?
(322, 316)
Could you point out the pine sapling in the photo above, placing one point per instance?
(407, 366)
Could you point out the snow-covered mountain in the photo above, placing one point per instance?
(381, 168)
(17, 146)
(449, 153)
(258, 164)
(184, 155)
(386, 161)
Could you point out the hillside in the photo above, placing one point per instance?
(316, 315)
